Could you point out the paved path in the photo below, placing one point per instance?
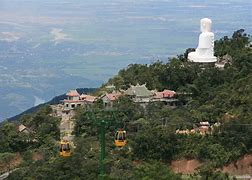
(67, 127)
(246, 176)
(5, 175)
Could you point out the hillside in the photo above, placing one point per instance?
(220, 97)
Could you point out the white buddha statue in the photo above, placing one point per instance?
(205, 50)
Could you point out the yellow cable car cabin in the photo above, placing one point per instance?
(120, 138)
(65, 148)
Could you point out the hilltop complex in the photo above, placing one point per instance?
(138, 93)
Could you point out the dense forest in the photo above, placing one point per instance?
(211, 94)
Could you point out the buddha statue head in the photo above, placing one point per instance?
(205, 25)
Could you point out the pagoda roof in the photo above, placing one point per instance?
(73, 93)
(112, 96)
(139, 91)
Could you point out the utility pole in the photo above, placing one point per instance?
(108, 118)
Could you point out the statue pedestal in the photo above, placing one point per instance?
(194, 57)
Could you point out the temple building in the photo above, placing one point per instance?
(139, 93)
(88, 99)
(74, 99)
(109, 98)
(23, 129)
(167, 96)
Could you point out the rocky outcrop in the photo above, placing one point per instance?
(185, 166)
(240, 167)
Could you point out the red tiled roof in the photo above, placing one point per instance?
(88, 98)
(73, 93)
(158, 95)
(165, 94)
(168, 93)
(113, 96)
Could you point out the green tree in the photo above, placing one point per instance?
(154, 170)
